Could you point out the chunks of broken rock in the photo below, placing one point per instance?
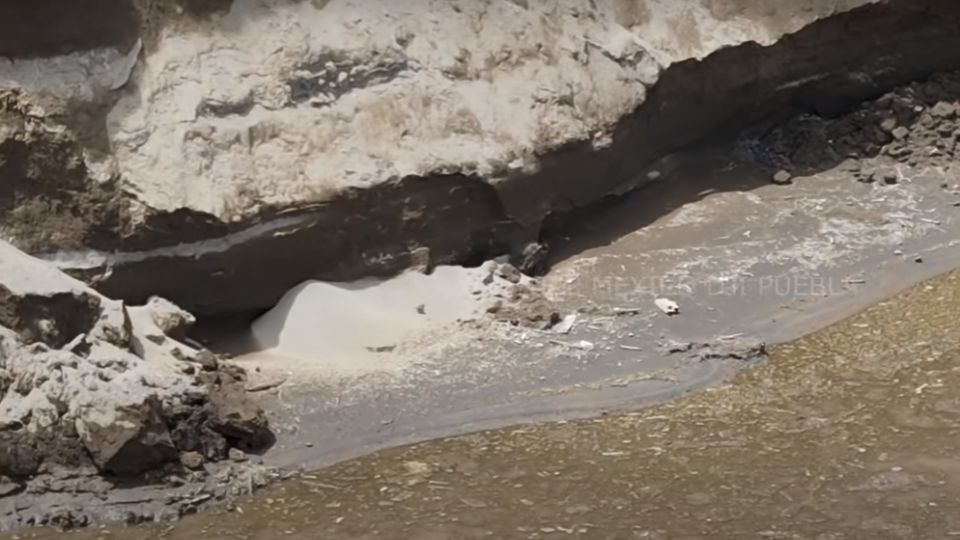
(170, 318)
(128, 440)
(782, 177)
(88, 384)
(237, 418)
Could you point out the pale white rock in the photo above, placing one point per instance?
(155, 327)
(170, 318)
(566, 325)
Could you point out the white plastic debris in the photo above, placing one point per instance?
(668, 306)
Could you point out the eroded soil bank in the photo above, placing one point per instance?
(848, 432)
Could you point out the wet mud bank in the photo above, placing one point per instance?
(459, 216)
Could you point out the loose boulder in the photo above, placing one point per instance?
(172, 320)
(128, 440)
(237, 418)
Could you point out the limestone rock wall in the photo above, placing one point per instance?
(225, 151)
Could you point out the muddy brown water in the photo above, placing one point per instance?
(851, 432)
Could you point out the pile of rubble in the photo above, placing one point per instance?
(904, 132)
(106, 391)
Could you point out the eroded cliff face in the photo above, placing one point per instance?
(219, 153)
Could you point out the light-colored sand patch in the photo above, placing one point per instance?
(371, 325)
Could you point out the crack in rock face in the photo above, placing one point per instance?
(327, 77)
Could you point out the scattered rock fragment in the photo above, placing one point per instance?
(192, 460)
(236, 417)
(509, 272)
(533, 259)
(782, 177)
(526, 306)
(269, 384)
(900, 133)
(565, 325)
(582, 345)
(207, 360)
(172, 320)
(420, 260)
(237, 456)
(742, 349)
(674, 347)
(737, 348)
(127, 441)
(8, 486)
(943, 109)
(889, 177)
